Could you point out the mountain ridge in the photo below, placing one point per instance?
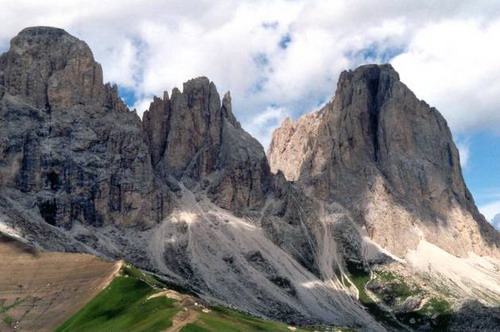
(187, 194)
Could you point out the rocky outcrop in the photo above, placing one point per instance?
(68, 144)
(474, 316)
(71, 149)
(195, 139)
(52, 69)
(292, 144)
(390, 159)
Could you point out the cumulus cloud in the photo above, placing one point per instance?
(282, 58)
(454, 65)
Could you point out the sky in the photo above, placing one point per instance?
(282, 58)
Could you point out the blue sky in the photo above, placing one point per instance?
(282, 58)
(482, 170)
(483, 162)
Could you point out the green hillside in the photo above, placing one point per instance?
(135, 302)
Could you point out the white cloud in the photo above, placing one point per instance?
(454, 65)
(262, 125)
(490, 210)
(496, 221)
(464, 151)
(448, 49)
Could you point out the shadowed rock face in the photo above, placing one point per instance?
(69, 147)
(195, 139)
(78, 154)
(390, 158)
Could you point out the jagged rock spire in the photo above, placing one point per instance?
(194, 137)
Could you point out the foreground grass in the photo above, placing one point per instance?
(13, 305)
(123, 306)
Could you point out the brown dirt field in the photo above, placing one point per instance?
(46, 288)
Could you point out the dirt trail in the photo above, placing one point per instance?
(182, 319)
(171, 294)
(187, 303)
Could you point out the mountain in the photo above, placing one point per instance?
(390, 159)
(357, 217)
(69, 146)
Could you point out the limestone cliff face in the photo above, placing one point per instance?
(52, 69)
(76, 151)
(195, 139)
(69, 147)
(388, 157)
(292, 144)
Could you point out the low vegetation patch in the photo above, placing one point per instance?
(8, 320)
(134, 272)
(436, 314)
(8, 307)
(360, 278)
(393, 291)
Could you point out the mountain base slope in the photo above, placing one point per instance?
(40, 290)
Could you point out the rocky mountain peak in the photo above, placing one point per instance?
(291, 145)
(227, 110)
(375, 80)
(361, 95)
(195, 138)
(54, 70)
(70, 148)
(186, 126)
(382, 152)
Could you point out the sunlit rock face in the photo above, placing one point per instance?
(389, 158)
